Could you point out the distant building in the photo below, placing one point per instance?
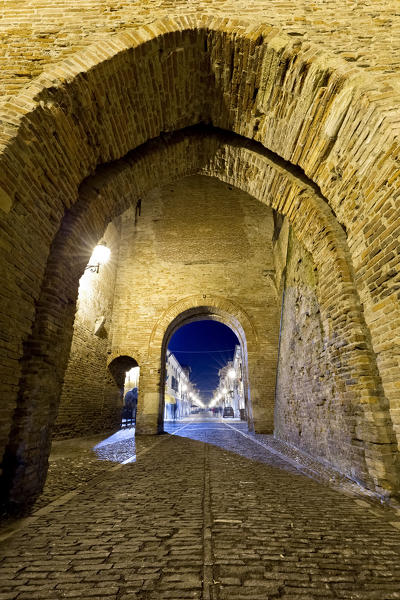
(230, 391)
(177, 389)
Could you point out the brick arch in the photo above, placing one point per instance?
(200, 307)
(131, 353)
(311, 109)
(300, 81)
(304, 105)
(236, 318)
(251, 168)
(118, 367)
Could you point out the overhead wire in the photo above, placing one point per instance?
(200, 351)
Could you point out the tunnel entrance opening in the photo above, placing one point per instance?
(201, 380)
(204, 369)
(125, 373)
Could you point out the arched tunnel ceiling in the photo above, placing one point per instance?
(249, 168)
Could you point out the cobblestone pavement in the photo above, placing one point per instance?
(75, 462)
(204, 513)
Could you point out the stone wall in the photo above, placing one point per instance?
(41, 32)
(312, 411)
(87, 404)
(199, 237)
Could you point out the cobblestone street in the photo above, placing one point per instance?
(208, 512)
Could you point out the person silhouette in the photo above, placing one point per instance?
(131, 398)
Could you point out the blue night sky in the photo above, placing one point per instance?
(199, 345)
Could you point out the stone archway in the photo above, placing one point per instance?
(207, 306)
(312, 222)
(296, 102)
(227, 159)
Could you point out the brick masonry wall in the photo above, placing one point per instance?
(311, 410)
(85, 406)
(199, 237)
(42, 32)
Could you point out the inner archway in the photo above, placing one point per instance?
(228, 329)
(199, 356)
(125, 372)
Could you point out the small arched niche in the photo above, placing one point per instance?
(118, 368)
(124, 373)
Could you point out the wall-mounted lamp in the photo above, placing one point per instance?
(100, 256)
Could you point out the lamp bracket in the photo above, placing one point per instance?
(93, 268)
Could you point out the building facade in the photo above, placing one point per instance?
(178, 390)
(231, 388)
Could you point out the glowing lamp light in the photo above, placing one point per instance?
(184, 387)
(231, 373)
(224, 390)
(100, 256)
(101, 253)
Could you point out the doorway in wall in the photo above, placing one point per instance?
(203, 374)
(130, 397)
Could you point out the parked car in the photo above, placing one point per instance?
(228, 411)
